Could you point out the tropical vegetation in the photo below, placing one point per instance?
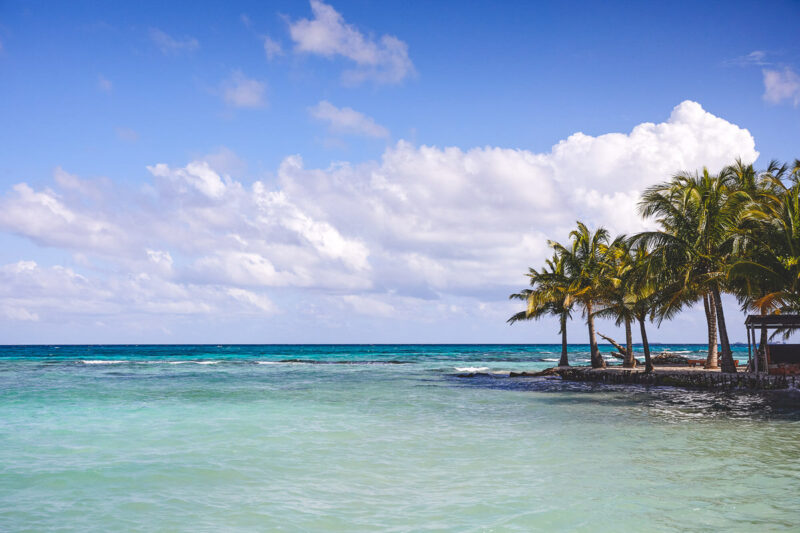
(736, 232)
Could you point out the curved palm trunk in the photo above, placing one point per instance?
(597, 361)
(727, 355)
(648, 364)
(712, 361)
(563, 361)
(630, 360)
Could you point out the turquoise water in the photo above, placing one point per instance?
(390, 438)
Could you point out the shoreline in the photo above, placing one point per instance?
(664, 375)
(679, 376)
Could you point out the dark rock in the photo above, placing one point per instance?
(546, 372)
(667, 358)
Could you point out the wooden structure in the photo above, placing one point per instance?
(781, 359)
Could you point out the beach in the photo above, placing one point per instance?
(364, 438)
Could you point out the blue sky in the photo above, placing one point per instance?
(354, 171)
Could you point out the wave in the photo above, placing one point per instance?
(472, 368)
(101, 361)
(551, 360)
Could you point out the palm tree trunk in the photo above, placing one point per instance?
(630, 360)
(727, 355)
(711, 321)
(563, 361)
(762, 351)
(597, 361)
(648, 364)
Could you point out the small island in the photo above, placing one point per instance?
(736, 232)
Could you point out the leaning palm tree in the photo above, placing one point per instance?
(699, 215)
(551, 294)
(584, 261)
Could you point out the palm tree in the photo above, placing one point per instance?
(615, 293)
(699, 216)
(551, 294)
(642, 294)
(584, 264)
(766, 274)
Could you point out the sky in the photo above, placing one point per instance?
(355, 172)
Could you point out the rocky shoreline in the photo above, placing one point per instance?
(695, 378)
(672, 376)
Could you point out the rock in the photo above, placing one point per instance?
(667, 358)
(545, 372)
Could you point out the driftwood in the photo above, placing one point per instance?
(622, 351)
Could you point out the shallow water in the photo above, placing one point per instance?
(364, 438)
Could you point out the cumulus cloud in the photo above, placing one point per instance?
(781, 85)
(170, 45)
(452, 219)
(198, 176)
(241, 91)
(384, 60)
(45, 218)
(422, 232)
(56, 291)
(347, 120)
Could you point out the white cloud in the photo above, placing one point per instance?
(272, 48)
(258, 301)
(43, 217)
(449, 219)
(756, 57)
(347, 120)
(781, 85)
(389, 237)
(161, 259)
(384, 60)
(19, 313)
(366, 305)
(241, 91)
(241, 268)
(171, 46)
(58, 291)
(104, 84)
(197, 175)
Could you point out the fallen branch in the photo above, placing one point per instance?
(622, 350)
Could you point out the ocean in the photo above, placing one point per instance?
(379, 438)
